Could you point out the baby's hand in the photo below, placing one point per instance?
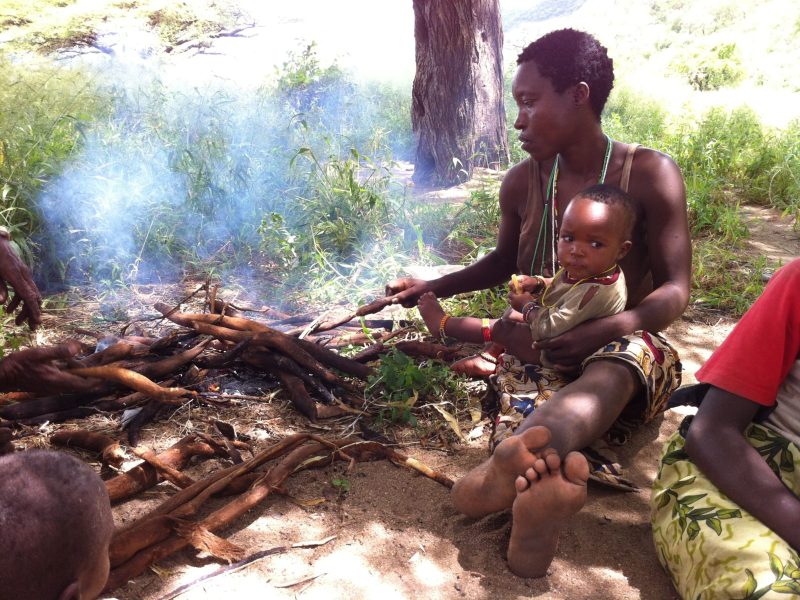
(532, 285)
(517, 301)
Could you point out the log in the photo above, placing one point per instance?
(370, 353)
(224, 358)
(232, 329)
(109, 449)
(336, 361)
(167, 366)
(147, 413)
(45, 405)
(133, 380)
(275, 363)
(155, 525)
(164, 470)
(145, 476)
(217, 519)
(132, 551)
(275, 337)
(303, 401)
(114, 353)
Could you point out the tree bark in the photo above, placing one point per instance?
(458, 114)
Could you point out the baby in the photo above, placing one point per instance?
(55, 528)
(595, 234)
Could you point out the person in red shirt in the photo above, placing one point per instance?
(725, 504)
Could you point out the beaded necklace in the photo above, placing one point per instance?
(550, 212)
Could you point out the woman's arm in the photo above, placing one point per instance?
(716, 444)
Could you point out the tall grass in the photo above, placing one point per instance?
(144, 182)
(727, 157)
(43, 114)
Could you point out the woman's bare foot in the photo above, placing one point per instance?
(431, 311)
(474, 366)
(548, 494)
(490, 487)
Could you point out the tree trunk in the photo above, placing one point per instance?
(457, 98)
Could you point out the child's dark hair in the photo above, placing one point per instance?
(566, 57)
(56, 522)
(613, 196)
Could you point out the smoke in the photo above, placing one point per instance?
(174, 176)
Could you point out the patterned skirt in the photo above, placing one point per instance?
(709, 546)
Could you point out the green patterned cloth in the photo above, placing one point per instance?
(709, 546)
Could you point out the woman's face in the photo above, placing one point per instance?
(545, 117)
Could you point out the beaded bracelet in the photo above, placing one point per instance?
(528, 309)
(442, 323)
(486, 330)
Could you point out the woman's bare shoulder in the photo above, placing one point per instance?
(515, 182)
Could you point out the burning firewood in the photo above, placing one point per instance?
(273, 339)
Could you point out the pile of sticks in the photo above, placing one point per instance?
(175, 524)
(319, 382)
(149, 373)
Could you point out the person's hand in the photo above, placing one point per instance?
(525, 283)
(16, 275)
(518, 301)
(568, 350)
(34, 370)
(475, 366)
(407, 290)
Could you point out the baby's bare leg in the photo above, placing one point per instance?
(465, 329)
(517, 340)
(547, 496)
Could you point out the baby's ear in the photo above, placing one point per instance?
(624, 249)
(71, 592)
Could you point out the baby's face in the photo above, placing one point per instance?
(590, 240)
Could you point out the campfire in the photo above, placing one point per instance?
(142, 377)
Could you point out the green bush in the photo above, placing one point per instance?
(711, 68)
(634, 117)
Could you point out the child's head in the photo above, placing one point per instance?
(55, 527)
(596, 231)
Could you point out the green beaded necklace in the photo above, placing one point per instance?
(550, 212)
